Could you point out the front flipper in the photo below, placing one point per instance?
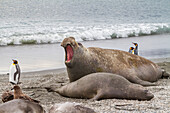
(98, 96)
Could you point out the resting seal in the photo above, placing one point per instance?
(21, 106)
(69, 107)
(102, 85)
(81, 61)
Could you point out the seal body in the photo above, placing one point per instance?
(20, 106)
(69, 107)
(81, 61)
(104, 86)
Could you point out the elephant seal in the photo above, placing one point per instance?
(102, 85)
(69, 107)
(21, 106)
(81, 61)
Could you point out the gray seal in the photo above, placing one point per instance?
(69, 107)
(21, 106)
(81, 61)
(97, 86)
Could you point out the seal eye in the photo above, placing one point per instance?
(69, 53)
(79, 44)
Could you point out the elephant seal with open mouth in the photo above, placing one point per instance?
(102, 85)
(81, 61)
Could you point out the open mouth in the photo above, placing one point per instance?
(69, 53)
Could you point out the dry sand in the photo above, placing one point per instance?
(34, 84)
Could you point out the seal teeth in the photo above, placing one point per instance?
(65, 53)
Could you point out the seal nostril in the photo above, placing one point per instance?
(146, 91)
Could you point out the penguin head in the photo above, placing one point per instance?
(15, 61)
(131, 48)
(135, 44)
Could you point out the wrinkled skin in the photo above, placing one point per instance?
(102, 85)
(69, 107)
(21, 106)
(91, 60)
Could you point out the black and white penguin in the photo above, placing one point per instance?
(14, 74)
(131, 50)
(136, 48)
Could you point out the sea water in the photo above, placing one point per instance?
(44, 21)
(50, 21)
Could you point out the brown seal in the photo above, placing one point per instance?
(7, 96)
(19, 95)
(104, 86)
(69, 107)
(81, 61)
(21, 106)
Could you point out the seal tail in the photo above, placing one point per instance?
(142, 82)
(165, 74)
(51, 89)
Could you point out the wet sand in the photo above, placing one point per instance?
(35, 85)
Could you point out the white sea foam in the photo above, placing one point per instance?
(28, 33)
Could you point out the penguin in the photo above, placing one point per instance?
(136, 48)
(131, 50)
(14, 74)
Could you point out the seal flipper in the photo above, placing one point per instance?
(165, 74)
(51, 89)
(137, 80)
(98, 96)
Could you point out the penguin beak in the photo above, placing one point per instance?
(12, 88)
(134, 43)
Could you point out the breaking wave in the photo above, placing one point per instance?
(53, 34)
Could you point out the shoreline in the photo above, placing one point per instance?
(51, 56)
(58, 70)
(45, 72)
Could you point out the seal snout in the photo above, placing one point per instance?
(69, 40)
(69, 44)
(149, 95)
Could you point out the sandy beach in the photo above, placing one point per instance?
(35, 84)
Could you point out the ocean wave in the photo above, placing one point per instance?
(55, 34)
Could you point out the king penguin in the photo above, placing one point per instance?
(136, 48)
(14, 74)
(131, 50)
